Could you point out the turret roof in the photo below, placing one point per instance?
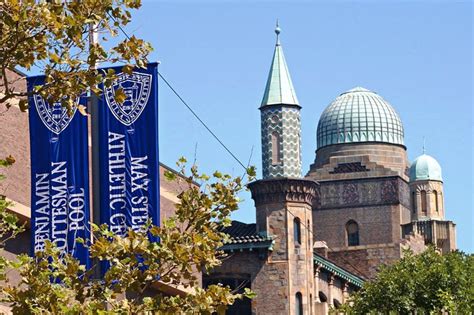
(279, 88)
(425, 167)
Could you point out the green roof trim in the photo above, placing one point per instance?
(244, 236)
(279, 89)
(338, 271)
(234, 246)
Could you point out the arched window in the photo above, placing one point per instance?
(322, 297)
(424, 209)
(413, 201)
(352, 231)
(435, 195)
(276, 150)
(299, 304)
(297, 231)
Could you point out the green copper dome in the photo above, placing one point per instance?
(425, 167)
(359, 115)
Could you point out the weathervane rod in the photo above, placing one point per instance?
(277, 32)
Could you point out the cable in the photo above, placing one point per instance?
(225, 147)
(201, 121)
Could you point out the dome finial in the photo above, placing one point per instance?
(277, 32)
(424, 145)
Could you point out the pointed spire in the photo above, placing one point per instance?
(279, 89)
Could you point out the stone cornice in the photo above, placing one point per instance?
(284, 189)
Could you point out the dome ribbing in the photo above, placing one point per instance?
(359, 115)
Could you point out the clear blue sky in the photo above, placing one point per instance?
(417, 55)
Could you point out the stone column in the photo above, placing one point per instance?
(441, 204)
(452, 236)
(429, 197)
(330, 289)
(418, 205)
(316, 285)
(345, 293)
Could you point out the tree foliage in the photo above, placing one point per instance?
(53, 37)
(428, 283)
(9, 227)
(53, 282)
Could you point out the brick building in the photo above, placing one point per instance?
(318, 237)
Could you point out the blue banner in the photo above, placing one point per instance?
(59, 175)
(128, 140)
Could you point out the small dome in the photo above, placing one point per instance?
(425, 167)
(359, 115)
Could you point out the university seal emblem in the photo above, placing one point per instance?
(55, 117)
(137, 88)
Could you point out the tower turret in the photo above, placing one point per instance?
(426, 187)
(280, 121)
(427, 203)
(283, 200)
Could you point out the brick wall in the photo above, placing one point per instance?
(365, 261)
(377, 224)
(376, 159)
(269, 281)
(288, 269)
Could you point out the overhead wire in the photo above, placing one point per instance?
(201, 121)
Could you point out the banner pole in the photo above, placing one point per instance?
(93, 39)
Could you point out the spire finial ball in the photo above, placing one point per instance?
(277, 30)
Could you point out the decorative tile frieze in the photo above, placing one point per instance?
(390, 191)
(363, 192)
(349, 168)
(350, 195)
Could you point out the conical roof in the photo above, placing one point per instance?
(279, 88)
